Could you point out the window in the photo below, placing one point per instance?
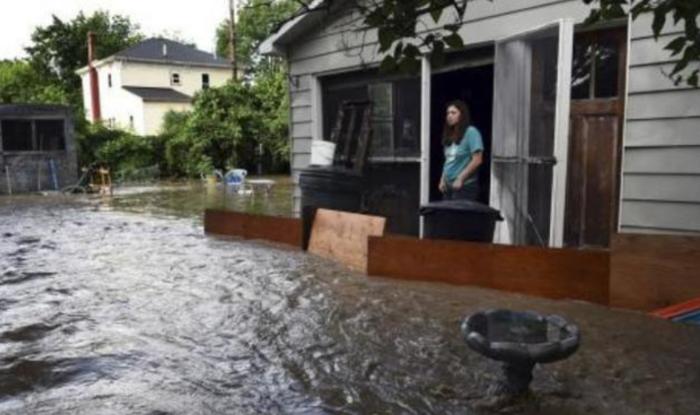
(33, 135)
(174, 78)
(395, 110)
(131, 122)
(50, 135)
(17, 135)
(205, 81)
(596, 65)
(109, 80)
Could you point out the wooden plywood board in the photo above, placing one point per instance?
(343, 236)
(545, 272)
(649, 272)
(269, 228)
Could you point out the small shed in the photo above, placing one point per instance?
(37, 148)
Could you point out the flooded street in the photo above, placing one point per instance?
(123, 306)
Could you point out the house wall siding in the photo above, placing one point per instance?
(157, 75)
(661, 162)
(154, 113)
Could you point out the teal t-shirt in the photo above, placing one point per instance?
(458, 156)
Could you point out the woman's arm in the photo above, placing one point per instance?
(477, 159)
(442, 186)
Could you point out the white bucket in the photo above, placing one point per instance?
(322, 152)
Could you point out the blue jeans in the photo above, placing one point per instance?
(470, 191)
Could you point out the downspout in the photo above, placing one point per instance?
(94, 83)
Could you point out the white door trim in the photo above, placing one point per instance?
(425, 100)
(561, 132)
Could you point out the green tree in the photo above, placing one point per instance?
(257, 19)
(271, 88)
(20, 83)
(60, 48)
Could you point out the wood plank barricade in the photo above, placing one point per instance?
(648, 272)
(343, 236)
(248, 226)
(545, 272)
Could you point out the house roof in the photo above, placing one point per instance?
(165, 50)
(9, 110)
(274, 45)
(160, 50)
(158, 94)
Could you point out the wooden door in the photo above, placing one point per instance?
(597, 109)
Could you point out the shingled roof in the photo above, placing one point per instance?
(165, 50)
(158, 94)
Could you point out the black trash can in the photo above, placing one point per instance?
(462, 220)
(330, 188)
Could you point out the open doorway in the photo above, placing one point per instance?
(474, 86)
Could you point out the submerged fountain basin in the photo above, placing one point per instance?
(520, 336)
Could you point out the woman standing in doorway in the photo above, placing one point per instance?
(463, 154)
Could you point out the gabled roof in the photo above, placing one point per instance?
(165, 50)
(275, 44)
(158, 94)
(160, 50)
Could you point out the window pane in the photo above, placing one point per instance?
(407, 126)
(581, 72)
(543, 97)
(17, 135)
(381, 96)
(606, 68)
(49, 134)
(332, 99)
(382, 134)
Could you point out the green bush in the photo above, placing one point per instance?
(124, 153)
(226, 128)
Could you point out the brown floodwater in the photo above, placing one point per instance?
(122, 305)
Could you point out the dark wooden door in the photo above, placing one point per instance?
(597, 109)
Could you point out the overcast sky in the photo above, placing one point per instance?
(191, 20)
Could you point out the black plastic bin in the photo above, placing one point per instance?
(330, 188)
(462, 220)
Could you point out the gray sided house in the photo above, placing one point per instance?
(585, 136)
(37, 148)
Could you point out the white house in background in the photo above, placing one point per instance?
(136, 87)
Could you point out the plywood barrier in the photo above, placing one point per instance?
(248, 226)
(342, 236)
(649, 272)
(551, 273)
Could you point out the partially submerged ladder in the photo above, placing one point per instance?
(347, 137)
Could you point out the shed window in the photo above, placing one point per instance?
(596, 65)
(205, 81)
(50, 135)
(175, 78)
(17, 135)
(395, 111)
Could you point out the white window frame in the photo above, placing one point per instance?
(175, 79)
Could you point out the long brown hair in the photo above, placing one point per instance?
(455, 133)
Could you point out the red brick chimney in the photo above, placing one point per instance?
(94, 84)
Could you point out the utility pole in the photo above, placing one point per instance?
(232, 37)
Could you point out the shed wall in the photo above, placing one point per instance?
(661, 146)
